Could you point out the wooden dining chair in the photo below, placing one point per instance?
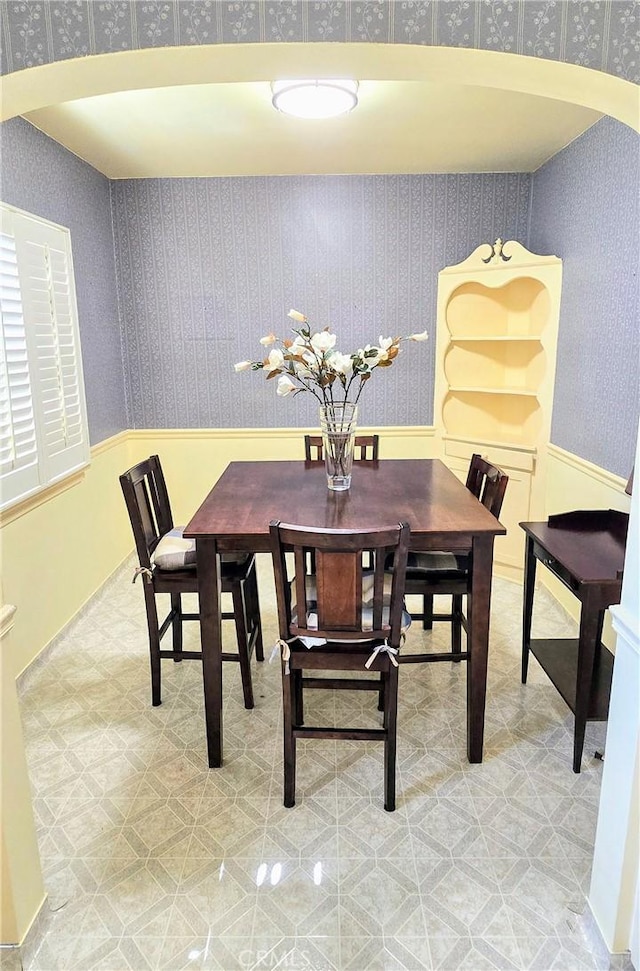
(433, 573)
(356, 622)
(365, 448)
(167, 564)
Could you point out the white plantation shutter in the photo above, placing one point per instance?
(18, 449)
(43, 413)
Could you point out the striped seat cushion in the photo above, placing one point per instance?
(367, 608)
(444, 564)
(174, 552)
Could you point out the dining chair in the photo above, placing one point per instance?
(433, 573)
(167, 564)
(339, 617)
(365, 448)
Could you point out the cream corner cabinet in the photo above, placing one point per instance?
(497, 329)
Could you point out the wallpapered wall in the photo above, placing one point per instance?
(601, 34)
(43, 178)
(586, 209)
(240, 252)
(208, 266)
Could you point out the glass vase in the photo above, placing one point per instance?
(338, 424)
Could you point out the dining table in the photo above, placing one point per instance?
(441, 512)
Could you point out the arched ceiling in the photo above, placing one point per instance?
(207, 111)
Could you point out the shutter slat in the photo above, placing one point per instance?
(42, 411)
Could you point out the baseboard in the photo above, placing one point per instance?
(507, 572)
(24, 677)
(16, 957)
(587, 926)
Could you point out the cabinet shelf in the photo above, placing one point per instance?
(518, 308)
(476, 389)
(510, 338)
(474, 442)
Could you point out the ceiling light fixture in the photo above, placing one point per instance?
(315, 99)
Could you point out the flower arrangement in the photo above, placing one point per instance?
(311, 362)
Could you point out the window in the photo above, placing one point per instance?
(43, 423)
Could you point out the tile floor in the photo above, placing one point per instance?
(151, 860)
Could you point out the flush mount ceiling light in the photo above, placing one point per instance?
(315, 99)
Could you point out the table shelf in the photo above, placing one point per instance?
(558, 658)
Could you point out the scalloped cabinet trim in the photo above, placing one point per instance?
(497, 330)
(7, 619)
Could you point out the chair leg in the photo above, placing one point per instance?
(176, 624)
(390, 724)
(288, 705)
(381, 693)
(240, 614)
(427, 609)
(253, 611)
(154, 644)
(456, 626)
(298, 703)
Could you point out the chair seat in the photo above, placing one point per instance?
(446, 565)
(174, 552)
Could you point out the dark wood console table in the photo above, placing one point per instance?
(585, 550)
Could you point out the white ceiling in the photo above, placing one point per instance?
(229, 129)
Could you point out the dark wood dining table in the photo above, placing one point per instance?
(442, 514)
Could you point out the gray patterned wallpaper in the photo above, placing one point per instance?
(42, 177)
(586, 209)
(600, 34)
(208, 266)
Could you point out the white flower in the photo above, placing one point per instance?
(311, 362)
(368, 357)
(285, 386)
(383, 349)
(299, 345)
(323, 341)
(276, 360)
(340, 363)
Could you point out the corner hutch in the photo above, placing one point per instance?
(497, 329)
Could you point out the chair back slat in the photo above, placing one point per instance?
(147, 513)
(145, 492)
(488, 483)
(330, 562)
(301, 600)
(339, 586)
(366, 448)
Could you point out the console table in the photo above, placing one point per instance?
(585, 550)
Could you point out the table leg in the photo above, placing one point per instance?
(209, 595)
(478, 606)
(527, 605)
(591, 621)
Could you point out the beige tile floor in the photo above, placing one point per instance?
(151, 860)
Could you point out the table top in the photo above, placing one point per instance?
(440, 510)
(590, 544)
